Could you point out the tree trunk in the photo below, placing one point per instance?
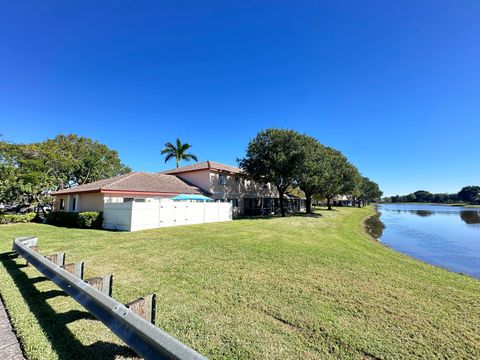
(282, 208)
(308, 203)
(329, 203)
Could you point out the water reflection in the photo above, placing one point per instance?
(470, 217)
(422, 213)
(446, 236)
(374, 226)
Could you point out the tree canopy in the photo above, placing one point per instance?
(29, 172)
(275, 156)
(288, 159)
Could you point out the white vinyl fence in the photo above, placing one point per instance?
(133, 216)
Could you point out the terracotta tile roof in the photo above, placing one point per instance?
(210, 165)
(137, 182)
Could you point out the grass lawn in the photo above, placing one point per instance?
(297, 287)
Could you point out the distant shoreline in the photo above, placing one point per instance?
(433, 204)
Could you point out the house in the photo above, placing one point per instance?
(140, 200)
(227, 183)
(132, 187)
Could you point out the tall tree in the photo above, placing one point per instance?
(369, 190)
(309, 175)
(336, 174)
(274, 156)
(65, 161)
(469, 194)
(178, 152)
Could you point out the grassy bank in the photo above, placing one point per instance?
(297, 287)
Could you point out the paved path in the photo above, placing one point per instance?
(9, 346)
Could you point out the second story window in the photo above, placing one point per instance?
(222, 179)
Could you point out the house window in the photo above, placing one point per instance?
(62, 204)
(127, 200)
(74, 203)
(222, 179)
(139, 200)
(237, 179)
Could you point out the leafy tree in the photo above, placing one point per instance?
(78, 160)
(309, 174)
(274, 156)
(35, 170)
(336, 175)
(469, 194)
(178, 152)
(370, 191)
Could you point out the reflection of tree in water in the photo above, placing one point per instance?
(374, 226)
(422, 213)
(470, 217)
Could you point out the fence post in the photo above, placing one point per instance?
(102, 283)
(144, 307)
(58, 258)
(75, 268)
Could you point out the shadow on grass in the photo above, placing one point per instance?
(267, 217)
(54, 324)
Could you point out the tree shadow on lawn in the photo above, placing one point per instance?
(54, 325)
(268, 217)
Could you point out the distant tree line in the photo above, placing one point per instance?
(467, 195)
(288, 159)
(30, 172)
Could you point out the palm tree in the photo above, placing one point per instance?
(178, 151)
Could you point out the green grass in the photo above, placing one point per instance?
(297, 287)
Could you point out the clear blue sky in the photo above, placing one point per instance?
(395, 85)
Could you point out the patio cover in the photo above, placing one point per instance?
(191, 197)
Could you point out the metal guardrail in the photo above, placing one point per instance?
(146, 339)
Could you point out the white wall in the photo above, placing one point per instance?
(140, 216)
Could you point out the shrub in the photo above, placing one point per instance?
(85, 220)
(17, 218)
(90, 220)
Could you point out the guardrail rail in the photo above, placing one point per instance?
(128, 322)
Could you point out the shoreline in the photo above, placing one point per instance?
(468, 206)
(371, 233)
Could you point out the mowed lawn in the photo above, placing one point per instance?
(280, 288)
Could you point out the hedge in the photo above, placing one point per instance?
(83, 220)
(17, 218)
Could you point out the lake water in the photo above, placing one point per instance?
(445, 236)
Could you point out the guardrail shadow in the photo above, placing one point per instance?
(54, 324)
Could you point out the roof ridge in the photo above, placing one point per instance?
(123, 178)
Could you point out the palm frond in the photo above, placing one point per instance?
(169, 156)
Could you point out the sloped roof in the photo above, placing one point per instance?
(205, 165)
(137, 182)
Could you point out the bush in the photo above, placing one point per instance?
(90, 220)
(17, 218)
(84, 220)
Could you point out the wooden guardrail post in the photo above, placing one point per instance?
(102, 283)
(144, 307)
(58, 258)
(147, 340)
(75, 268)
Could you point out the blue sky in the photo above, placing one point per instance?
(395, 85)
